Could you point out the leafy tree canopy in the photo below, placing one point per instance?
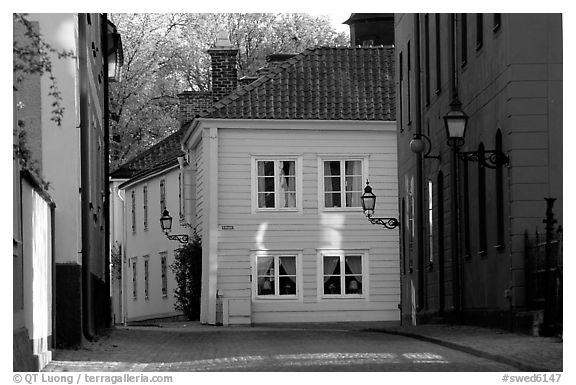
(165, 54)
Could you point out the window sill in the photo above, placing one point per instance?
(263, 298)
(295, 210)
(347, 209)
(345, 296)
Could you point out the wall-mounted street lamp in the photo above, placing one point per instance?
(455, 121)
(418, 146)
(166, 224)
(369, 204)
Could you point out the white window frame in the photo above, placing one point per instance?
(342, 159)
(276, 158)
(276, 254)
(364, 255)
(164, 274)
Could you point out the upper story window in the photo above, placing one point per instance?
(343, 183)
(180, 200)
(497, 21)
(162, 195)
(145, 202)
(479, 30)
(276, 184)
(463, 38)
(133, 207)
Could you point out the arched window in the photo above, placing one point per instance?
(481, 201)
(430, 224)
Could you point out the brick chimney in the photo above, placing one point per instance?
(224, 67)
(193, 103)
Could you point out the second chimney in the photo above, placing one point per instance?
(193, 103)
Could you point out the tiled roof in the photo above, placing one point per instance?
(162, 154)
(320, 84)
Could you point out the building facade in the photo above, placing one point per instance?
(71, 156)
(466, 215)
(166, 165)
(279, 172)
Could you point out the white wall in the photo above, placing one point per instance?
(61, 144)
(37, 264)
(151, 242)
(308, 231)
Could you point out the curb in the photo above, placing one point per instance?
(466, 349)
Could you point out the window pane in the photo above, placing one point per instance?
(331, 265)
(265, 266)
(333, 200)
(288, 285)
(354, 167)
(266, 286)
(265, 184)
(354, 183)
(266, 200)
(288, 183)
(353, 199)
(353, 264)
(332, 168)
(265, 168)
(287, 266)
(332, 285)
(288, 168)
(287, 200)
(331, 184)
(354, 284)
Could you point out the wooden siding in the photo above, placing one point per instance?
(152, 242)
(310, 230)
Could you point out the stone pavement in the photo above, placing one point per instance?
(527, 353)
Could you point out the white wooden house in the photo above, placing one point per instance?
(277, 170)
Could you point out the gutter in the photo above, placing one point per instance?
(84, 180)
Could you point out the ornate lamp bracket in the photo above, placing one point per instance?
(389, 223)
(182, 238)
(490, 159)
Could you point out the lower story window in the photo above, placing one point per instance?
(342, 275)
(276, 275)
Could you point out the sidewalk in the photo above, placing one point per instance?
(527, 353)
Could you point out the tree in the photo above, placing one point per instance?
(165, 54)
(33, 56)
(187, 268)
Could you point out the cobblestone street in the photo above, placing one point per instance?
(205, 348)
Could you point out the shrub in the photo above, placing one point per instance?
(187, 268)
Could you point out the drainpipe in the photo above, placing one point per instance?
(106, 188)
(419, 173)
(84, 178)
(454, 206)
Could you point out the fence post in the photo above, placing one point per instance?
(548, 278)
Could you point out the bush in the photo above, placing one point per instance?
(187, 268)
